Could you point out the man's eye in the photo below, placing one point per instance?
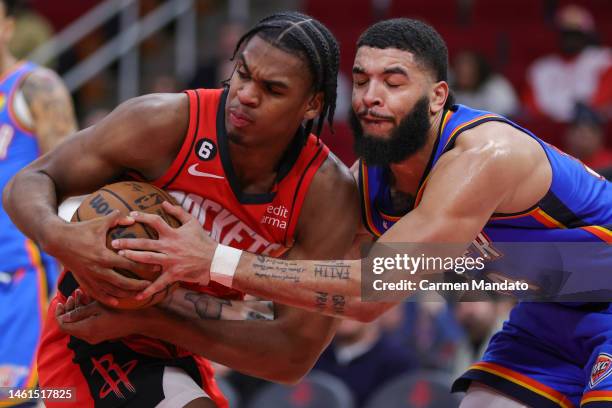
(273, 91)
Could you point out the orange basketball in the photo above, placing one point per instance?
(127, 196)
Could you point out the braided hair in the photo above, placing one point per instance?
(310, 40)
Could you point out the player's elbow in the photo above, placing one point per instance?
(6, 194)
(301, 361)
(302, 354)
(296, 378)
(292, 372)
(290, 378)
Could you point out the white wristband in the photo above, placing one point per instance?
(224, 264)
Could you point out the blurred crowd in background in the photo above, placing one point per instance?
(544, 63)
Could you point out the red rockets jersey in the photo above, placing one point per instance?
(202, 180)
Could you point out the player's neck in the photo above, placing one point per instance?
(408, 173)
(256, 167)
(7, 62)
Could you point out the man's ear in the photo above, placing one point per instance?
(439, 94)
(314, 106)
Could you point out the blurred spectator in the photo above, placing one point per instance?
(602, 100)
(584, 139)
(476, 85)
(557, 82)
(212, 73)
(479, 320)
(364, 358)
(99, 91)
(246, 386)
(31, 30)
(429, 328)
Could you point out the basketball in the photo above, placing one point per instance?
(127, 196)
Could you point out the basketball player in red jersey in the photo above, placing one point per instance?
(240, 162)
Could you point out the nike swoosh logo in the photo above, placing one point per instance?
(194, 172)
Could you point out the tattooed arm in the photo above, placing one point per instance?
(199, 307)
(492, 168)
(485, 172)
(328, 287)
(284, 349)
(281, 350)
(51, 107)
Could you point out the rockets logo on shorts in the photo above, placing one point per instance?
(114, 375)
(601, 369)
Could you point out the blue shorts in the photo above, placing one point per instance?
(24, 297)
(550, 355)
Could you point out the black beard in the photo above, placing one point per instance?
(405, 139)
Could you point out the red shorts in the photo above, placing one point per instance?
(127, 372)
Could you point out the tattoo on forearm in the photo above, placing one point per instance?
(321, 301)
(338, 302)
(253, 315)
(332, 270)
(277, 269)
(206, 306)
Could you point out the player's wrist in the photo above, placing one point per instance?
(224, 264)
(51, 236)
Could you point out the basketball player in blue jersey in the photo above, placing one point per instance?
(434, 172)
(35, 113)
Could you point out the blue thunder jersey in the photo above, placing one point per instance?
(26, 274)
(577, 207)
(18, 147)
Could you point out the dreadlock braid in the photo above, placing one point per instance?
(301, 35)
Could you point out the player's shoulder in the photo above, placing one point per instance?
(158, 101)
(498, 147)
(332, 200)
(333, 188)
(153, 124)
(495, 137)
(333, 172)
(41, 80)
(39, 72)
(156, 110)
